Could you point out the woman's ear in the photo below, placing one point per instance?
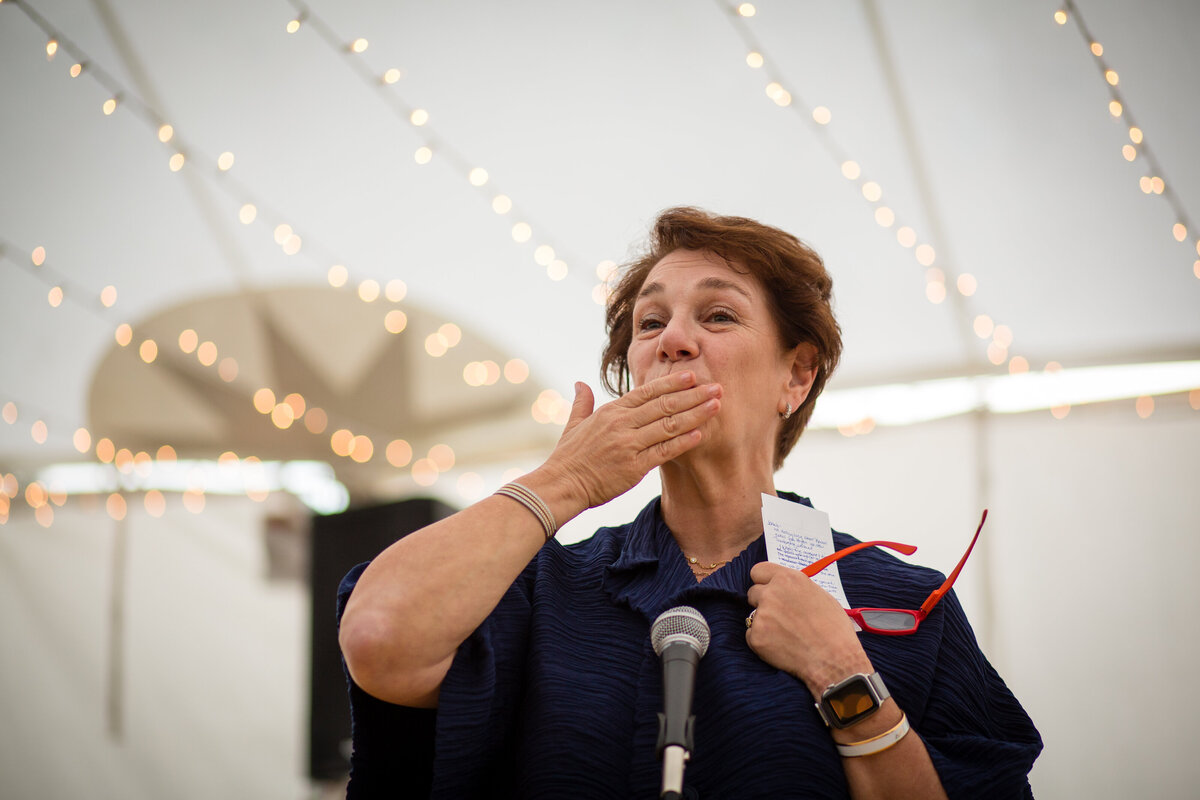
(803, 373)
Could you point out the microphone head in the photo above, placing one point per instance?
(681, 624)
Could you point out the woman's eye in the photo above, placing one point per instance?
(649, 324)
(721, 316)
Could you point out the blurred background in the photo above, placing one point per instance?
(266, 268)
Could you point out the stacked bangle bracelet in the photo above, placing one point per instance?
(876, 744)
(535, 504)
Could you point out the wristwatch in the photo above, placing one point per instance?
(852, 700)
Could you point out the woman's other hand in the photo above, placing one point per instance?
(798, 627)
(607, 451)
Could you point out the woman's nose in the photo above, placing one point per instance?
(677, 341)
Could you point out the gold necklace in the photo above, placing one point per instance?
(699, 569)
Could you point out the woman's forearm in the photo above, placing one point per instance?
(424, 595)
(902, 772)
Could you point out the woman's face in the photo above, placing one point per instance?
(694, 312)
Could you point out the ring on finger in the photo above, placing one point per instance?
(750, 619)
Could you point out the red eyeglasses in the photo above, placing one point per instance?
(895, 621)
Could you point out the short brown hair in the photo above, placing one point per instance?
(799, 292)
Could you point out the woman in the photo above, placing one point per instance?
(536, 656)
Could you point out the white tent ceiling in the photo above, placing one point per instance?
(986, 125)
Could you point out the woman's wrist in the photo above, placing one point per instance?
(561, 496)
(881, 721)
(835, 669)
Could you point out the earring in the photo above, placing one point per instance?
(787, 412)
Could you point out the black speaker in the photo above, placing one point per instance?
(339, 542)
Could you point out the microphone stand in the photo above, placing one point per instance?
(674, 757)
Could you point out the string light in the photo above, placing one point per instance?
(516, 371)
(395, 321)
(551, 408)
(442, 457)
(436, 345)
(282, 416)
(155, 503)
(227, 370)
(451, 334)
(206, 353)
(316, 420)
(395, 290)
(264, 400)
(59, 287)
(296, 402)
(341, 442)
(368, 291)
(924, 253)
(361, 449)
(188, 340)
(164, 131)
(1119, 108)
(424, 472)
(471, 486)
(420, 117)
(399, 453)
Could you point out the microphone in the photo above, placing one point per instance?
(680, 637)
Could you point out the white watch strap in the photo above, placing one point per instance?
(877, 744)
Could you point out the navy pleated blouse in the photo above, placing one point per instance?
(557, 692)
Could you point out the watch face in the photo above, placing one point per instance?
(851, 702)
